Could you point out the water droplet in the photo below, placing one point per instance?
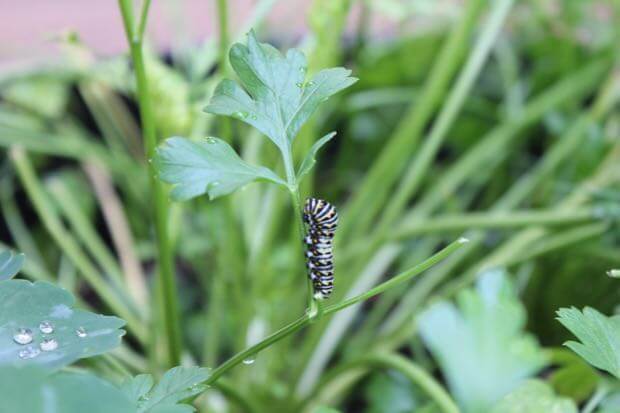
(302, 69)
(46, 327)
(299, 85)
(81, 332)
(310, 83)
(254, 117)
(49, 344)
(249, 360)
(215, 183)
(29, 353)
(241, 115)
(211, 140)
(23, 336)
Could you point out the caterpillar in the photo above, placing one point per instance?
(322, 220)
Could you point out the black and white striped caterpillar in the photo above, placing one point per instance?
(322, 220)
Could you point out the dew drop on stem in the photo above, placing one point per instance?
(81, 332)
(249, 360)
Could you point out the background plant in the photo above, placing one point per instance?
(501, 124)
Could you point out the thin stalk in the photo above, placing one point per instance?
(558, 241)
(420, 165)
(494, 220)
(222, 19)
(307, 318)
(70, 247)
(166, 279)
(385, 170)
(81, 225)
(120, 231)
(313, 305)
(416, 374)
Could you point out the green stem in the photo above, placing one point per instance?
(409, 369)
(307, 318)
(313, 306)
(388, 165)
(166, 280)
(222, 19)
(493, 220)
(420, 165)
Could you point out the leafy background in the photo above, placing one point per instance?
(499, 121)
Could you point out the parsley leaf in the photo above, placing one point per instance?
(209, 165)
(274, 97)
(481, 346)
(177, 384)
(599, 335)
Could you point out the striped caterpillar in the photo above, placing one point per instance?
(322, 219)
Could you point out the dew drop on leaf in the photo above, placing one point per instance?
(211, 140)
(23, 336)
(302, 69)
(46, 327)
(299, 85)
(241, 115)
(254, 117)
(81, 332)
(49, 344)
(29, 353)
(249, 360)
(310, 83)
(215, 183)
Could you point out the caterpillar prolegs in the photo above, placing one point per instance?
(322, 220)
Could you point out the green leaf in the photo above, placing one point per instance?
(10, 264)
(481, 347)
(599, 335)
(534, 396)
(31, 389)
(178, 384)
(209, 165)
(25, 305)
(276, 101)
(309, 160)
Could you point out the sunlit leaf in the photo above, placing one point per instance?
(77, 333)
(481, 346)
(176, 385)
(309, 160)
(599, 335)
(274, 97)
(10, 264)
(534, 396)
(208, 166)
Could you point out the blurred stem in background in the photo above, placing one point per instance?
(166, 283)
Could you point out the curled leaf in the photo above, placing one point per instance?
(310, 159)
